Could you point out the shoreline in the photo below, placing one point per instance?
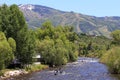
(11, 73)
(25, 72)
(76, 70)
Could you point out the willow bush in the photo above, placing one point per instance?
(112, 59)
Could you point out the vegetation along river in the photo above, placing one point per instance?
(82, 69)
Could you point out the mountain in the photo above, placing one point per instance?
(36, 14)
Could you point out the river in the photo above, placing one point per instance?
(83, 69)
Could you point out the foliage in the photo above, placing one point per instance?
(64, 45)
(6, 54)
(56, 44)
(26, 47)
(93, 46)
(112, 59)
(35, 67)
(4, 18)
(116, 37)
(13, 24)
(12, 44)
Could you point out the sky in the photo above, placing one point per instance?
(97, 8)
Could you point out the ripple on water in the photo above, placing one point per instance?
(83, 69)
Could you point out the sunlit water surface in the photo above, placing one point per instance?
(83, 69)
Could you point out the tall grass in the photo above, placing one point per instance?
(35, 67)
(112, 59)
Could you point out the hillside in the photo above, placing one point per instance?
(36, 14)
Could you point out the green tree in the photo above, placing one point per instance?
(4, 18)
(12, 44)
(13, 24)
(26, 47)
(17, 22)
(46, 30)
(116, 36)
(89, 47)
(80, 48)
(112, 59)
(60, 58)
(46, 49)
(73, 55)
(55, 44)
(6, 55)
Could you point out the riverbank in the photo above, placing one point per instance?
(9, 73)
(83, 69)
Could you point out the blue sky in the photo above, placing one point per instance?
(90, 7)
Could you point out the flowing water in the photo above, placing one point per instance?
(82, 69)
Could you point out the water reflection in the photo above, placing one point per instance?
(83, 69)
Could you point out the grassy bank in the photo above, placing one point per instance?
(112, 59)
(35, 67)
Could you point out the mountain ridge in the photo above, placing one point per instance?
(36, 14)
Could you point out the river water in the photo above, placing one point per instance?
(82, 69)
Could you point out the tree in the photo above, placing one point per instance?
(89, 47)
(6, 55)
(47, 50)
(30, 47)
(60, 57)
(17, 22)
(13, 24)
(116, 36)
(73, 55)
(56, 44)
(4, 18)
(81, 48)
(12, 44)
(46, 30)
(26, 47)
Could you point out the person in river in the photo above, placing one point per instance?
(60, 70)
(57, 71)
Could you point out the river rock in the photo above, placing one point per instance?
(14, 73)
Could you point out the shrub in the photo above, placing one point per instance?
(35, 67)
(112, 59)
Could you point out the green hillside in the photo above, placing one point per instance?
(36, 15)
